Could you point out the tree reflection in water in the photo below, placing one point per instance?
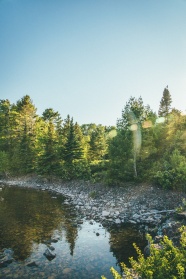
(31, 220)
(121, 242)
(28, 216)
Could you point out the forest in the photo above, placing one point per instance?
(143, 146)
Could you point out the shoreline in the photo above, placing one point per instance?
(150, 209)
(141, 204)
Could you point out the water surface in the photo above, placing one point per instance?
(32, 221)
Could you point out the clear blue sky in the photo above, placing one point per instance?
(87, 57)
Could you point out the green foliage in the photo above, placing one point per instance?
(4, 162)
(47, 160)
(121, 157)
(97, 143)
(134, 112)
(173, 172)
(182, 207)
(165, 261)
(165, 103)
(124, 149)
(140, 148)
(72, 148)
(98, 170)
(78, 169)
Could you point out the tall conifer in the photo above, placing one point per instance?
(165, 103)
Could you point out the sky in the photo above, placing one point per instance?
(86, 58)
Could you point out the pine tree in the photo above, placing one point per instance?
(5, 126)
(165, 103)
(24, 144)
(48, 160)
(72, 148)
(97, 143)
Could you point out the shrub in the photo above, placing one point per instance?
(78, 169)
(173, 172)
(98, 170)
(168, 262)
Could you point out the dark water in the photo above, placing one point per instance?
(33, 220)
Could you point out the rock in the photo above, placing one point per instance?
(105, 213)
(136, 216)
(5, 262)
(80, 203)
(67, 270)
(79, 222)
(97, 234)
(51, 248)
(49, 254)
(132, 222)
(117, 221)
(8, 252)
(31, 264)
(66, 202)
(181, 215)
(111, 204)
(54, 240)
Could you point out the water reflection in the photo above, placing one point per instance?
(32, 221)
(121, 242)
(29, 216)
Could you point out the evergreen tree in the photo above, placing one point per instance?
(5, 126)
(72, 148)
(120, 157)
(97, 144)
(165, 103)
(48, 160)
(49, 115)
(23, 158)
(66, 128)
(81, 140)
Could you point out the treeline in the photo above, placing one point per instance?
(143, 146)
(47, 144)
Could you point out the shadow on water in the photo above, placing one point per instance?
(33, 221)
(121, 242)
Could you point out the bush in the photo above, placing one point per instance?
(78, 169)
(173, 172)
(98, 170)
(168, 262)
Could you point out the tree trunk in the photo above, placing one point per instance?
(135, 170)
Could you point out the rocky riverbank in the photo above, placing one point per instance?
(151, 208)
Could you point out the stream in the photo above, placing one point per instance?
(43, 237)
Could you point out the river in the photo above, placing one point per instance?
(43, 237)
